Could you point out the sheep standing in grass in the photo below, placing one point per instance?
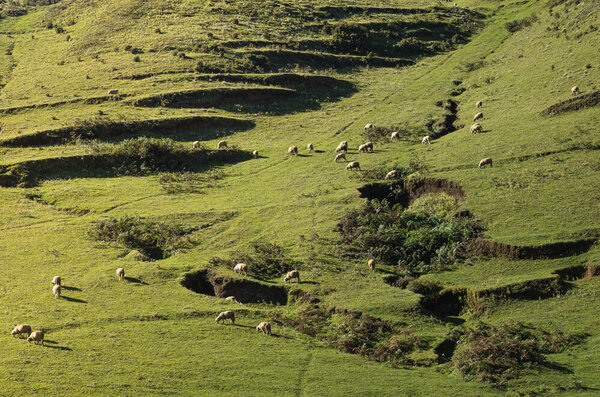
(371, 263)
(57, 289)
(393, 174)
(196, 144)
(478, 116)
(21, 329)
(56, 280)
(292, 274)
(476, 128)
(395, 136)
(36, 336)
(575, 90)
(241, 268)
(255, 154)
(342, 147)
(353, 165)
(293, 150)
(368, 126)
(369, 145)
(426, 139)
(479, 104)
(265, 327)
(113, 92)
(222, 145)
(231, 299)
(485, 161)
(121, 273)
(310, 147)
(362, 149)
(226, 315)
(340, 156)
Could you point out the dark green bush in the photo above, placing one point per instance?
(520, 24)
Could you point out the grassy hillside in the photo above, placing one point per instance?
(265, 76)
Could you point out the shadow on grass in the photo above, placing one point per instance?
(68, 298)
(135, 281)
(50, 343)
(71, 288)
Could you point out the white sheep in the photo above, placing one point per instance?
(231, 299)
(476, 128)
(426, 139)
(222, 145)
(121, 273)
(226, 315)
(36, 336)
(241, 268)
(371, 263)
(340, 156)
(485, 161)
(342, 147)
(575, 90)
(56, 290)
(56, 280)
(392, 174)
(196, 144)
(353, 165)
(310, 147)
(368, 126)
(293, 150)
(478, 116)
(255, 154)
(479, 104)
(113, 92)
(265, 327)
(395, 136)
(362, 148)
(21, 329)
(369, 145)
(292, 274)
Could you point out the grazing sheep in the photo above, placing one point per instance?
(353, 165)
(340, 156)
(196, 144)
(290, 275)
(426, 139)
(362, 149)
(485, 161)
(476, 128)
(222, 145)
(265, 327)
(113, 92)
(479, 104)
(36, 336)
(575, 90)
(310, 147)
(293, 150)
(121, 273)
(395, 136)
(369, 145)
(255, 154)
(231, 299)
(342, 147)
(371, 263)
(368, 126)
(56, 280)
(241, 268)
(21, 329)
(57, 290)
(478, 116)
(392, 174)
(226, 315)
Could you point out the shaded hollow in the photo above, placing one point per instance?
(208, 282)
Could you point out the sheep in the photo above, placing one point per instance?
(21, 329)
(476, 128)
(362, 148)
(426, 139)
(485, 161)
(310, 147)
(395, 136)
(340, 156)
(478, 116)
(222, 145)
(226, 315)
(196, 144)
(342, 147)
(241, 268)
(57, 290)
(231, 299)
(369, 145)
(56, 280)
(113, 92)
(265, 327)
(36, 336)
(255, 154)
(392, 174)
(290, 275)
(575, 90)
(479, 104)
(368, 126)
(353, 165)
(121, 273)
(371, 263)
(293, 150)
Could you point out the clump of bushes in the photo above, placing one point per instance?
(265, 260)
(155, 239)
(520, 24)
(382, 134)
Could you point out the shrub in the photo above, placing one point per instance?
(440, 204)
(520, 24)
(265, 260)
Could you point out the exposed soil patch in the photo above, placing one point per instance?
(445, 125)
(570, 105)
(208, 282)
(546, 251)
